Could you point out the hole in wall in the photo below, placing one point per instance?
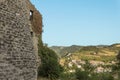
(31, 33)
(31, 15)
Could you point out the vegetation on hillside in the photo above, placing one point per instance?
(49, 66)
(90, 62)
(76, 62)
(98, 53)
(63, 51)
(100, 49)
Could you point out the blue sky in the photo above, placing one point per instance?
(80, 22)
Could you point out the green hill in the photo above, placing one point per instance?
(99, 50)
(64, 50)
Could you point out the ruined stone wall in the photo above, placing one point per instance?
(36, 20)
(35, 26)
(17, 54)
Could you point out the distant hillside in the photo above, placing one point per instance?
(64, 50)
(99, 49)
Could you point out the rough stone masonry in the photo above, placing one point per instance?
(18, 51)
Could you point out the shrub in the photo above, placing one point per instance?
(50, 66)
(118, 56)
(82, 75)
(101, 76)
(106, 76)
(68, 76)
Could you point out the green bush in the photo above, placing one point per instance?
(82, 75)
(118, 56)
(50, 66)
(116, 67)
(68, 76)
(106, 76)
(101, 76)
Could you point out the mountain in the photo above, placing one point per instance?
(62, 51)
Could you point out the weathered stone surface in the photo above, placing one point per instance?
(18, 59)
(36, 19)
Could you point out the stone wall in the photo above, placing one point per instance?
(36, 26)
(17, 53)
(36, 20)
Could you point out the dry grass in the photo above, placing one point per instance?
(107, 52)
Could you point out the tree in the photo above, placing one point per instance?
(101, 76)
(88, 67)
(81, 75)
(116, 67)
(118, 56)
(50, 66)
